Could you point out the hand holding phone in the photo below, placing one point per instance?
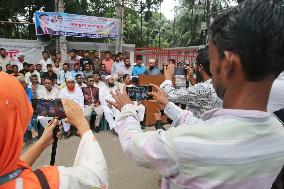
(49, 108)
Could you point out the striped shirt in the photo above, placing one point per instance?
(229, 149)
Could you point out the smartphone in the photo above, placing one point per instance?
(181, 70)
(139, 93)
(49, 108)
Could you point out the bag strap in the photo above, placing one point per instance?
(42, 179)
(10, 176)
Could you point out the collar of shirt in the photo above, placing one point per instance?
(235, 112)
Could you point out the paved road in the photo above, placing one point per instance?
(123, 173)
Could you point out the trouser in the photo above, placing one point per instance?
(110, 114)
(99, 113)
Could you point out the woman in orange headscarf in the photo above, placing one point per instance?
(15, 170)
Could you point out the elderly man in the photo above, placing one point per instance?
(105, 94)
(151, 68)
(72, 92)
(92, 103)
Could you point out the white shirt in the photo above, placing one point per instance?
(27, 76)
(44, 64)
(90, 163)
(76, 95)
(83, 85)
(19, 64)
(42, 93)
(62, 76)
(99, 85)
(104, 94)
(276, 98)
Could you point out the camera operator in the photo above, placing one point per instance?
(199, 97)
(15, 169)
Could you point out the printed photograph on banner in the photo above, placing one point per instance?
(55, 23)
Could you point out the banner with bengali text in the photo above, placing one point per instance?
(57, 23)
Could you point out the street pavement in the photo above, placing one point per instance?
(123, 173)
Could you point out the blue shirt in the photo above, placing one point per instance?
(29, 93)
(138, 70)
(74, 73)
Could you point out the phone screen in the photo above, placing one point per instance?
(139, 93)
(49, 108)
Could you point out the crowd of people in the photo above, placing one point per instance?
(224, 131)
(84, 79)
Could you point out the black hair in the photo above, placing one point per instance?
(25, 64)
(33, 75)
(15, 66)
(89, 77)
(49, 65)
(124, 76)
(49, 78)
(2, 49)
(73, 50)
(86, 64)
(203, 59)
(135, 81)
(59, 16)
(8, 65)
(139, 57)
(254, 30)
(66, 64)
(172, 60)
(31, 65)
(78, 75)
(44, 52)
(43, 15)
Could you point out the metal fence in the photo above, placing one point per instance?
(186, 54)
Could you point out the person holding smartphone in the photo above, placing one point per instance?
(15, 169)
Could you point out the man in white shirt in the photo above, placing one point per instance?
(116, 66)
(97, 82)
(126, 68)
(19, 61)
(63, 74)
(44, 61)
(72, 92)
(104, 94)
(31, 72)
(48, 92)
(79, 81)
(276, 97)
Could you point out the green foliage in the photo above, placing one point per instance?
(156, 29)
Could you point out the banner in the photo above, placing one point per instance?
(57, 23)
(32, 49)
